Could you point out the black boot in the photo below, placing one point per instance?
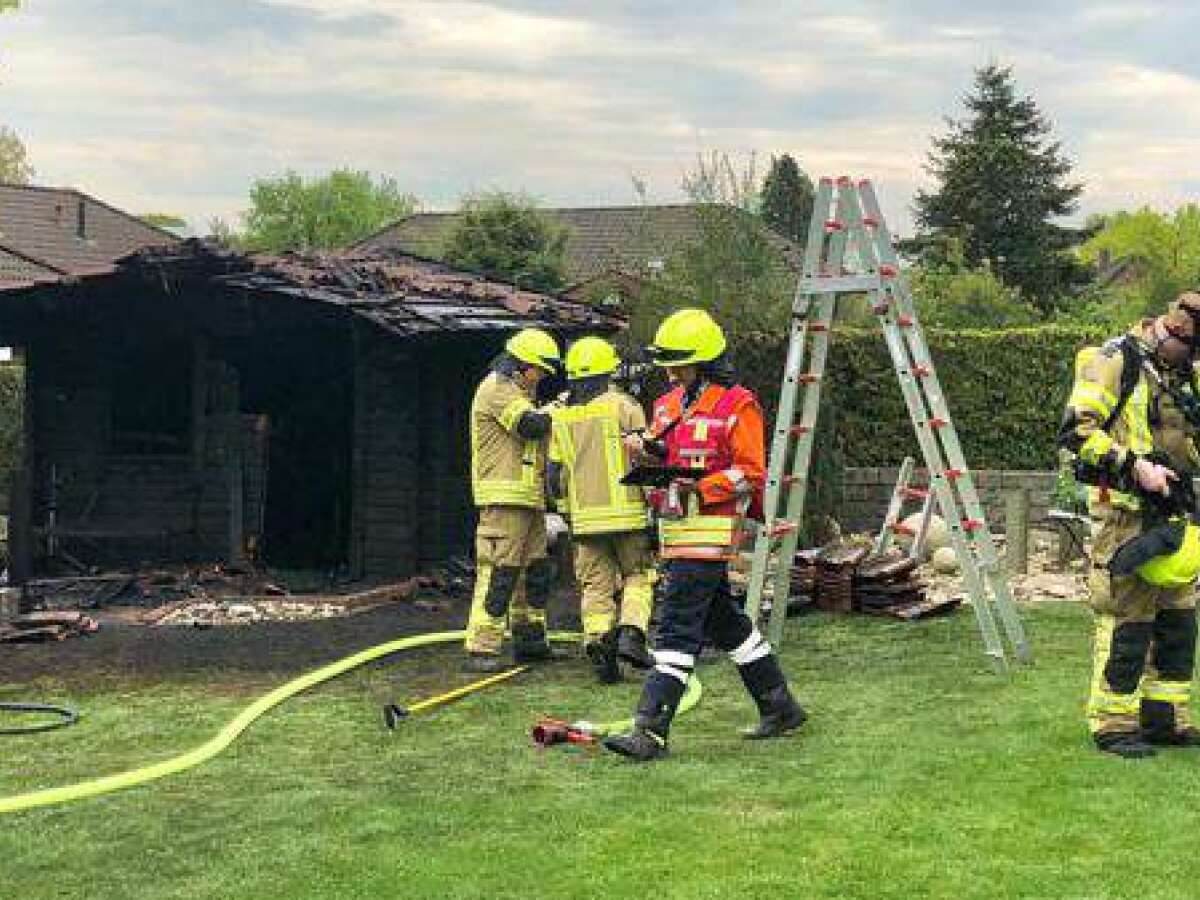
(1157, 719)
(631, 647)
(779, 713)
(1127, 744)
(648, 739)
(603, 655)
(530, 644)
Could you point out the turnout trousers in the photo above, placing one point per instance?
(1145, 644)
(614, 565)
(698, 608)
(512, 578)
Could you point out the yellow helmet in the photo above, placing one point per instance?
(536, 347)
(687, 337)
(1178, 569)
(591, 356)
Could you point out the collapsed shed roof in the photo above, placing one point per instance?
(403, 294)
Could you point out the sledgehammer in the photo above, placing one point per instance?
(394, 713)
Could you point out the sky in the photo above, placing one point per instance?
(176, 106)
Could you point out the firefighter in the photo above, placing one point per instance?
(709, 423)
(1125, 422)
(613, 553)
(508, 459)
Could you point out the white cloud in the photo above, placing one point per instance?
(448, 96)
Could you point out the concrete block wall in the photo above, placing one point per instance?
(867, 491)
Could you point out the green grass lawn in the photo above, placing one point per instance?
(920, 774)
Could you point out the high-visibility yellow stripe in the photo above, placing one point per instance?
(1173, 692)
(1095, 447)
(511, 414)
(719, 531)
(1093, 396)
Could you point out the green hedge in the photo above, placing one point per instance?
(1006, 391)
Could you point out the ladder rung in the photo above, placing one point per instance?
(782, 529)
(901, 528)
(817, 326)
(905, 321)
(912, 493)
(953, 474)
(972, 525)
(888, 271)
(921, 370)
(800, 430)
(881, 309)
(938, 422)
(789, 480)
(808, 377)
(870, 221)
(833, 225)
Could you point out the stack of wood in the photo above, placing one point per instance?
(841, 578)
(55, 625)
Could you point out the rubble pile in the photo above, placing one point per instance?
(843, 578)
(46, 626)
(218, 595)
(209, 613)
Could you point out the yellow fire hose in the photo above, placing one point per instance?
(227, 735)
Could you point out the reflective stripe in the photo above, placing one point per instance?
(1095, 447)
(674, 658)
(1109, 703)
(715, 530)
(1093, 396)
(673, 672)
(1173, 692)
(511, 414)
(754, 647)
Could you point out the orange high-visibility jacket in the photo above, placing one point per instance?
(721, 437)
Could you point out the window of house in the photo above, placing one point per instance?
(152, 399)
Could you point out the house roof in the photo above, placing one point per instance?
(400, 293)
(62, 231)
(601, 239)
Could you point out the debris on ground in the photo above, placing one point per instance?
(844, 578)
(1046, 579)
(47, 626)
(211, 595)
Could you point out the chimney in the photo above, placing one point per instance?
(81, 220)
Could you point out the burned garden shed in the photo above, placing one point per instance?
(189, 402)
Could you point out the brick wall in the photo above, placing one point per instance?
(868, 490)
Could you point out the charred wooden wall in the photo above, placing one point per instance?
(114, 504)
(412, 491)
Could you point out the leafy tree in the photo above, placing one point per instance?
(14, 163)
(948, 296)
(787, 198)
(1001, 182)
(295, 213)
(504, 235)
(1163, 252)
(167, 221)
(734, 266)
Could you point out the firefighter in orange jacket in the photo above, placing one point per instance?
(710, 424)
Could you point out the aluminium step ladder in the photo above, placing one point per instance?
(849, 251)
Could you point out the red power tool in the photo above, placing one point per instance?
(548, 732)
